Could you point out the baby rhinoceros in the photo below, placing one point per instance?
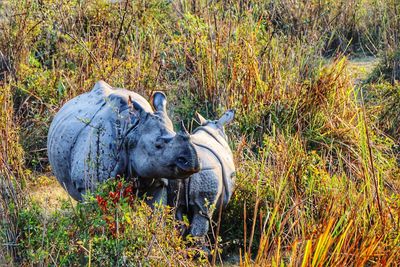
(212, 186)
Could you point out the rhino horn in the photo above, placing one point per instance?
(183, 130)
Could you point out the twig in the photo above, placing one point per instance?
(116, 47)
(254, 225)
(86, 49)
(218, 227)
(371, 160)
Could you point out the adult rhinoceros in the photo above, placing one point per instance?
(213, 184)
(111, 131)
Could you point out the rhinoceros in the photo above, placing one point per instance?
(213, 185)
(112, 131)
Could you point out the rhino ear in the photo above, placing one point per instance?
(200, 119)
(227, 118)
(159, 101)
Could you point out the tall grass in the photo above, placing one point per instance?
(11, 179)
(304, 215)
(319, 182)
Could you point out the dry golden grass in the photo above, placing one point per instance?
(48, 193)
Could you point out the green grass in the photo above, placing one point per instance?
(316, 144)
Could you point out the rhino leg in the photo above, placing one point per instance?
(198, 229)
(205, 189)
(200, 224)
(157, 192)
(176, 197)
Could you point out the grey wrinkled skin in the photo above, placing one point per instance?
(111, 131)
(204, 192)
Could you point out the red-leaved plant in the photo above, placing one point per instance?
(121, 193)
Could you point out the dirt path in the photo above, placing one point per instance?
(361, 68)
(47, 192)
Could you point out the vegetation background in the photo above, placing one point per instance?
(316, 137)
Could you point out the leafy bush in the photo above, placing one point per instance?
(111, 227)
(388, 68)
(382, 94)
(384, 99)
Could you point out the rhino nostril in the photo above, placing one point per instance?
(182, 160)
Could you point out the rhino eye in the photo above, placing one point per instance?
(131, 145)
(159, 146)
(160, 142)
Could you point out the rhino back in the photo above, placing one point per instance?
(74, 129)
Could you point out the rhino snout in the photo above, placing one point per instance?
(188, 165)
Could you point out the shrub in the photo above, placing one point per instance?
(388, 68)
(111, 227)
(382, 93)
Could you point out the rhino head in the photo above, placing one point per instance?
(154, 150)
(217, 126)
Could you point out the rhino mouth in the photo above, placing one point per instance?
(184, 168)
